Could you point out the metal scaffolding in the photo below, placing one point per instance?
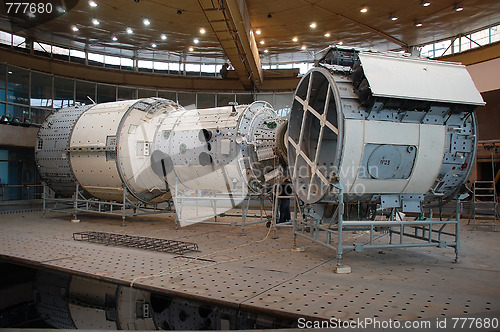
(423, 231)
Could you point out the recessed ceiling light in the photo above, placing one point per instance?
(202, 31)
(303, 47)
(196, 41)
(163, 37)
(114, 38)
(313, 25)
(393, 18)
(95, 21)
(418, 24)
(425, 3)
(153, 45)
(363, 10)
(327, 34)
(458, 8)
(74, 28)
(146, 22)
(92, 3)
(262, 42)
(295, 39)
(191, 49)
(129, 30)
(9, 72)
(258, 31)
(266, 51)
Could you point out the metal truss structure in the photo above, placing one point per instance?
(80, 203)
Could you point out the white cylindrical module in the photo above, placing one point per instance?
(137, 145)
(388, 128)
(224, 149)
(51, 149)
(107, 148)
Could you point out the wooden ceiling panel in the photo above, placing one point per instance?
(181, 20)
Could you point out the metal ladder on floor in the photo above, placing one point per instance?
(484, 201)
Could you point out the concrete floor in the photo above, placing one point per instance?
(259, 273)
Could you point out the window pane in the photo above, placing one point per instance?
(481, 37)
(18, 41)
(187, 99)
(17, 111)
(283, 102)
(60, 50)
(3, 69)
(84, 91)
(192, 69)
(77, 54)
(126, 62)
(205, 100)
(244, 98)
(465, 44)
(18, 88)
(160, 66)
(441, 47)
(456, 45)
(495, 33)
(95, 59)
(5, 38)
(145, 64)
(209, 69)
(38, 115)
(60, 53)
(143, 93)
(63, 92)
(42, 49)
(170, 95)
(126, 93)
(112, 60)
(174, 67)
(41, 90)
(106, 93)
(427, 51)
(265, 97)
(218, 69)
(223, 99)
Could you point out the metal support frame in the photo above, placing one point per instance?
(79, 203)
(215, 198)
(277, 196)
(50, 203)
(424, 231)
(484, 202)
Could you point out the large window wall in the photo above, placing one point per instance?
(26, 93)
(161, 62)
(462, 43)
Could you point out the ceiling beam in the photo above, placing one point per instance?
(241, 48)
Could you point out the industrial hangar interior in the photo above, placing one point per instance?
(249, 164)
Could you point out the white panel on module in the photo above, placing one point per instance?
(431, 148)
(421, 79)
